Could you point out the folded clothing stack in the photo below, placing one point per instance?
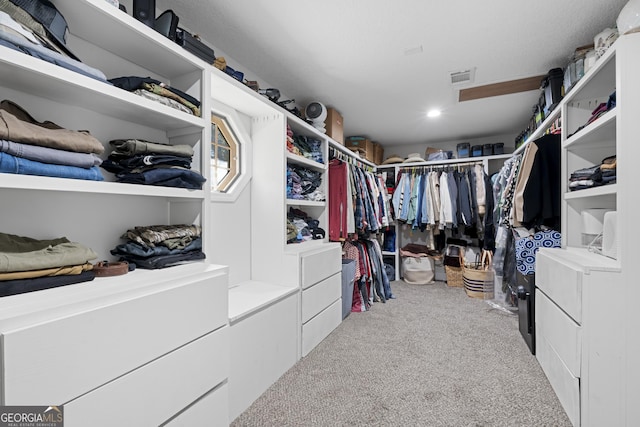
(30, 147)
(28, 264)
(303, 184)
(160, 246)
(158, 91)
(302, 227)
(602, 174)
(137, 161)
(304, 146)
(599, 111)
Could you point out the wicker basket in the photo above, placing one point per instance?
(478, 283)
(478, 277)
(454, 276)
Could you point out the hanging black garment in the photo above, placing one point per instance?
(489, 226)
(542, 192)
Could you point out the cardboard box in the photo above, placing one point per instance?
(378, 153)
(334, 126)
(361, 145)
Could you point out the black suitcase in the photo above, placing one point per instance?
(195, 46)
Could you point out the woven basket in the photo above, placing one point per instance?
(454, 276)
(478, 278)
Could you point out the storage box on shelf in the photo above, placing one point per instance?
(361, 145)
(334, 125)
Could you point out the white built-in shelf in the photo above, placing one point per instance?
(27, 74)
(589, 87)
(389, 253)
(43, 183)
(464, 160)
(102, 291)
(295, 202)
(603, 190)
(104, 25)
(247, 298)
(303, 161)
(595, 133)
(587, 260)
(295, 248)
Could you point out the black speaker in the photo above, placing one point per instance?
(167, 24)
(145, 11)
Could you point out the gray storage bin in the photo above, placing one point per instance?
(348, 280)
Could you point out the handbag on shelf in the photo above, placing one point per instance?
(478, 277)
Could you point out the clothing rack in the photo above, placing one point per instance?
(337, 154)
(438, 167)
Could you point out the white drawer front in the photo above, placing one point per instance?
(58, 360)
(560, 332)
(263, 346)
(212, 410)
(561, 281)
(320, 296)
(320, 264)
(566, 386)
(157, 391)
(317, 329)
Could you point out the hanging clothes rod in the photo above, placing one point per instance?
(441, 166)
(337, 154)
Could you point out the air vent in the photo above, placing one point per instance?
(462, 77)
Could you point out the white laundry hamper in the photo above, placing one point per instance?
(418, 270)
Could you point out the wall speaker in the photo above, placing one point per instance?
(609, 235)
(145, 11)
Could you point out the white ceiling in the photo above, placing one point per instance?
(352, 55)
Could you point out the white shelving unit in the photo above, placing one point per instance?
(173, 323)
(586, 298)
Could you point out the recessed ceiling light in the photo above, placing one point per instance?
(434, 113)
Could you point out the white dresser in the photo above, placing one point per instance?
(580, 333)
(141, 349)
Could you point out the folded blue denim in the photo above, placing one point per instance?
(162, 261)
(17, 165)
(23, 45)
(50, 155)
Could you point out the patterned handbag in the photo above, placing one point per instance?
(527, 247)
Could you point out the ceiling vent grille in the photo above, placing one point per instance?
(462, 77)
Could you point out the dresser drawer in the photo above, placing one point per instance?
(317, 329)
(561, 333)
(319, 264)
(321, 295)
(157, 391)
(212, 411)
(561, 280)
(566, 385)
(55, 360)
